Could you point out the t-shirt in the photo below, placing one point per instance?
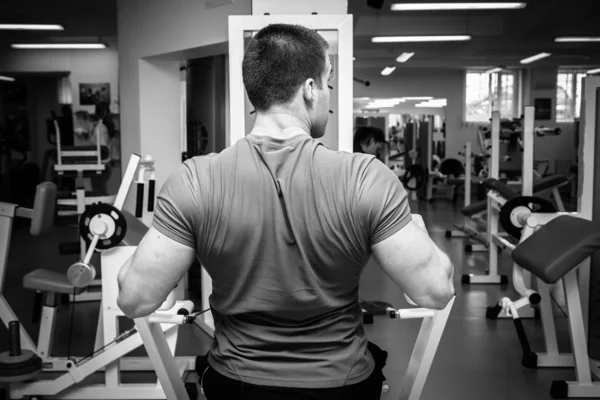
(284, 228)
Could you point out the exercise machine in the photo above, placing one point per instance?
(107, 228)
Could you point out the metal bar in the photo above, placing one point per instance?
(423, 353)
(162, 359)
(528, 151)
(127, 180)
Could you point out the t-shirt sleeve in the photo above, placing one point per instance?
(382, 202)
(176, 206)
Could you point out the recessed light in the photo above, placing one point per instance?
(7, 78)
(404, 57)
(387, 70)
(593, 71)
(418, 98)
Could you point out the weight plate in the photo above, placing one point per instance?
(21, 373)
(108, 211)
(532, 203)
(7, 360)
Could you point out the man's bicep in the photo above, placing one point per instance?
(407, 258)
(158, 265)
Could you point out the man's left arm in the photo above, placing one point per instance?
(168, 249)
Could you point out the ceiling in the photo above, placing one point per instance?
(498, 37)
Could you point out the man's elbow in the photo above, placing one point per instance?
(133, 308)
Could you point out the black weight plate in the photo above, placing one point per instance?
(452, 166)
(31, 367)
(102, 208)
(6, 360)
(535, 204)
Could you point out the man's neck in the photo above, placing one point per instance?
(279, 124)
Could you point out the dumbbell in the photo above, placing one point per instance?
(16, 364)
(544, 131)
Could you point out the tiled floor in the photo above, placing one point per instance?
(477, 358)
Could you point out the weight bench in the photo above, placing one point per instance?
(556, 244)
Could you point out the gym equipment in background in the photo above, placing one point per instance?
(111, 346)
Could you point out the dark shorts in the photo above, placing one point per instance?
(217, 386)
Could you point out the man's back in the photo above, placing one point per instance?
(284, 228)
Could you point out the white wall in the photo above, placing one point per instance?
(84, 66)
(154, 35)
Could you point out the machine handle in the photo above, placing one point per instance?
(522, 336)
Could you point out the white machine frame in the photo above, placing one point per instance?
(112, 360)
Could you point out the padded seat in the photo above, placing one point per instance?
(49, 281)
(500, 187)
(549, 182)
(474, 208)
(558, 247)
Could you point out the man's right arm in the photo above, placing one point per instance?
(399, 241)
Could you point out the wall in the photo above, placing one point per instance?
(154, 36)
(439, 83)
(84, 66)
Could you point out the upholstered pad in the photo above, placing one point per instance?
(549, 182)
(49, 281)
(558, 247)
(500, 187)
(474, 208)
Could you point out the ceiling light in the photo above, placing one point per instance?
(404, 57)
(428, 105)
(593, 71)
(534, 58)
(387, 70)
(418, 98)
(434, 38)
(32, 27)
(6, 78)
(58, 46)
(362, 98)
(577, 39)
(493, 70)
(456, 6)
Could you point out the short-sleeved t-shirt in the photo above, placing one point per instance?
(284, 228)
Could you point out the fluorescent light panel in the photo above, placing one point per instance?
(537, 57)
(456, 6)
(577, 39)
(404, 57)
(388, 70)
(58, 46)
(593, 71)
(495, 69)
(32, 27)
(418, 98)
(429, 38)
(6, 78)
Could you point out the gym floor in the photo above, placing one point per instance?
(476, 358)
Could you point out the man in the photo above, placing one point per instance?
(370, 140)
(284, 227)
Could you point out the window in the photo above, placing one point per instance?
(568, 95)
(487, 92)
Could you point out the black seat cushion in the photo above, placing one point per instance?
(558, 247)
(474, 208)
(500, 187)
(549, 182)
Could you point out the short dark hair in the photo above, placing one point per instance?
(365, 133)
(280, 58)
